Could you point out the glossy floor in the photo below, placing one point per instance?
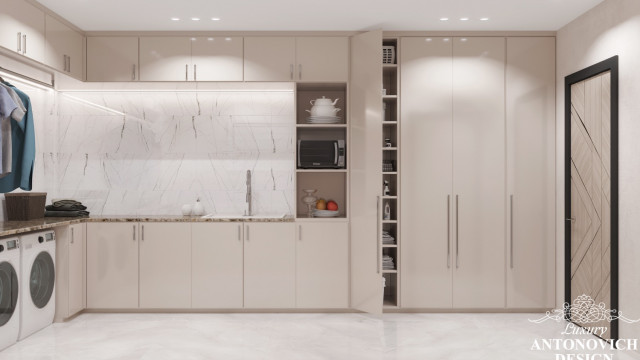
(295, 336)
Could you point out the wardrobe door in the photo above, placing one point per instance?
(530, 172)
(479, 172)
(426, 181)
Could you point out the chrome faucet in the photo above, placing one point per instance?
(248, 212)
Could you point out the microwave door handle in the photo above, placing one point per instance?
(335, 146)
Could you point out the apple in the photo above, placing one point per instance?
(332, 205)
(321, 204)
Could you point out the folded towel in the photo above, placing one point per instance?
(62, 202)
(75, 213)
(65, 207)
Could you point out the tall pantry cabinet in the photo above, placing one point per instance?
(456, 139)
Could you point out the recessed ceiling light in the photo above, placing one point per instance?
(215, 19)
(210, 39)
(427, 39)
(445, 39)
(444, 19)
(463, 39)
(195, 19)
(484, 19)
(227, 39)
(464, 18)
(175, 19)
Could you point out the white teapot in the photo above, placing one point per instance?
(323, 107)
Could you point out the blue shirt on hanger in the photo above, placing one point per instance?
(23, 147)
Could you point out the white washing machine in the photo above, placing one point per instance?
(9, 292)
(38, 300)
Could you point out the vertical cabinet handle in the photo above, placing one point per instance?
(299, 71)
(19, 49)
(64, 61)
(195, 72)
(511, 227)
(186, 72)
(24, 44)
(133, 72)
(68, 63)
(247, 237)
(134, 233)
(142, 233)
(72, 235)
(300, 232)
(448, 231)
(291, 70)
(239, 232)
(457, 234)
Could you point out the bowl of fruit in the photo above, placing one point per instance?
(326, 208)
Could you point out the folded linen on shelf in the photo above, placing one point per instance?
(387, 263)
(65, 213)
(387, 239)
(65, 208)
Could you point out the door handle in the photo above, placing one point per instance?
(300, 232)
(457, 234)
(24, 44)
(64, 61)
(142, 232)
(195, 72)
(19, 49)
(134, 233)
(72, 235)
(299, 71)
(291, 70)
(448, 231)
(133, 73)
(247, 237)
(239, 232)
(186, 72)
(511, 227)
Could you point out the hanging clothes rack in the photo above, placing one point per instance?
(27, 78)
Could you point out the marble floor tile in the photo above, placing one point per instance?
(292, 336)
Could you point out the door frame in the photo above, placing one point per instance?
(611, 65)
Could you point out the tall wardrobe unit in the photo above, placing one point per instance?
(478, 117)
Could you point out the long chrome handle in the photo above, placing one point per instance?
(186, 72)
(72, 235)
(68, 63)
(511, 227)
(24, 44)
(299, 71)
(133, 73)
(19, 42)
(300, 232)
(239, 232)
(142, 232)
(291, 70)
(64, 61)
(195, 72)
(378, 226)
(448, 231)
(335, 152)
(134, 233)
(247, 233)
(457, 234)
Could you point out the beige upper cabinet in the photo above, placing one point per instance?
(269, 58)
(322, 59)
(165, 58)
(322, 283)
(112, 58)
(112, 265)
(22, 28)
(217, 58)
(269, 265)
(64, 48)
(479, 172)
(165, 265)
(427, 166)
(530, 172)
(216, 265)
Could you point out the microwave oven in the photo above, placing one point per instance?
(321, 154)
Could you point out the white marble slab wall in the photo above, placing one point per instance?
(149, 152)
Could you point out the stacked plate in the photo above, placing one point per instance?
(325, 213)
(323, 119)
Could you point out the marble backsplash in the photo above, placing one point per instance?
(149, 152)
(133, 152)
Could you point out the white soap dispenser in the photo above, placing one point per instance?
(198, 208)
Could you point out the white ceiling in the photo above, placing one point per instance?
(327, 15)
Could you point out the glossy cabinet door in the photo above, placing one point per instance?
(269, 265)
(22, 28)
(165, 265)
(322, 265)
(322, 59)
(217, 58)
(427, 172)
(77, 269)
(216, 265)
(479, 172)
(64, 48)
(112, 265)
(165, 59)
(530, 172)
(269, 58)
(112, 58)
(365, 116)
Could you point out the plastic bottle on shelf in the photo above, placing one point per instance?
(387, 211)
(386, 191)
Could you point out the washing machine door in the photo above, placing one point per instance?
(42, 279)
(8, 292)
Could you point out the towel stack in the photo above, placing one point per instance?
(66, 208)
(387, 263)
(387, 239)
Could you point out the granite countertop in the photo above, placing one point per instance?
(8, 228)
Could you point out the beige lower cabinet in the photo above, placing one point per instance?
(269, 265)
(112, 265)
(71, 294)
(216, 265)
(165, 265)
(322, 265)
